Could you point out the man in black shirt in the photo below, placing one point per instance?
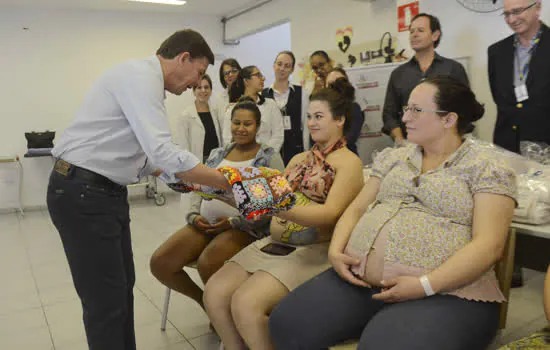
(425, 35)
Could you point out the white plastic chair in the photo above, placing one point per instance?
(164, 316)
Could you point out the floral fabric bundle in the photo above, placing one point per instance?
(206, 192)
(257, 191)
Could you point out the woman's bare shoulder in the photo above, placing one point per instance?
(297, 158)
(344, 159)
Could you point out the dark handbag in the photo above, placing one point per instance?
(40, 139)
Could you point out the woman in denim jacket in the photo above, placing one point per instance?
(215, 231)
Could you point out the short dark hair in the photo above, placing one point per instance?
(289, 53)
(186, 40)
(321, 53)
(434, 25)
(248, 104)
(454, 96)
(340, 96)
(341, 71)
(228, 62)
(236, 90)
(207, 78)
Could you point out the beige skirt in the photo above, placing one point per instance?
(292, 270)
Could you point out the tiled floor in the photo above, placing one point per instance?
(39, 309)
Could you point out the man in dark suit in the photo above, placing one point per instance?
(519, 75)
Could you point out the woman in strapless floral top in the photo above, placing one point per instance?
(413, 255)
(240, 296)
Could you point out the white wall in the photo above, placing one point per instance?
(260, 49)
(314, 23)
(45, 71)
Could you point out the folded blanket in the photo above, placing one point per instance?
(259, 191)
(256, 191)
(206, 192)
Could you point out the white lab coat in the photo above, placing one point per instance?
(190, 131)
(189, 135)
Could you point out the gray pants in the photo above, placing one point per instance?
(327, 310)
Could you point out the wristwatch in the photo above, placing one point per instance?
(234, 221)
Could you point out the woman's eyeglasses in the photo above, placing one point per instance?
(415, 110)
(229, 72)
(257, 74)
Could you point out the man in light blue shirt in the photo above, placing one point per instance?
(119, 134)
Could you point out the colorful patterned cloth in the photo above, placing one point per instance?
(257, 191)
(206, 192)
(537, 341)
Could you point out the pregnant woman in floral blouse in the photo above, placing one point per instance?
(412, 257)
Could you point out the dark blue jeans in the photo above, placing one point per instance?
(326, 311)
(94, 225)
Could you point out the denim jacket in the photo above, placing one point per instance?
(263, 157)
(266, 157)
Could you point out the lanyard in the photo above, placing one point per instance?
(534, 43)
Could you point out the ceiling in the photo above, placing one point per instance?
(217, 8)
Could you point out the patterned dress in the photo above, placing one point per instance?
(419, 220)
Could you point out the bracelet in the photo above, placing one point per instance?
(427, 286)
(190, 218)
(234, 222)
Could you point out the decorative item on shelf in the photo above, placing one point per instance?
(482, 6)
(343, 38)
(388, 50)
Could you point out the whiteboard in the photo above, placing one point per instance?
(371, 83)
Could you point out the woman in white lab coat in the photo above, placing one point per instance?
(199, 128)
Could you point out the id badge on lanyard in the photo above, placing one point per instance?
(521, 90)
(286, 122)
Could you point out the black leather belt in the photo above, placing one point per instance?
(72, 171)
